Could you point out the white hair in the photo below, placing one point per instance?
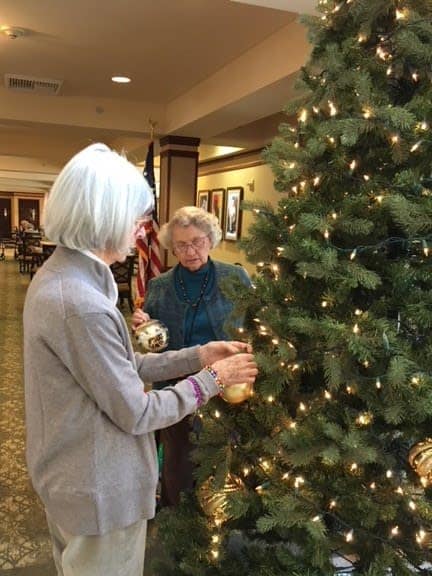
(191, 216)
(95, 201)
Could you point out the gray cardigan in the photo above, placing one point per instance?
(90, 447)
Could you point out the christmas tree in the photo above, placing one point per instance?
(326, 469)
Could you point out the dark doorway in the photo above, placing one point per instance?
(5, 218)
(29, 210)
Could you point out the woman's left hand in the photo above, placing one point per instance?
(214, 351)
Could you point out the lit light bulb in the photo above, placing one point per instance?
(303, 115)
(332, 107)
(381, 53)
(420, 536)
(349, 536)
(299, 481)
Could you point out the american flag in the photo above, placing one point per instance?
(147, 243)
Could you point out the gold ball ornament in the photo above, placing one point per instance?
(420, 459)
(214, 500)
(152, 336)
(237, 393)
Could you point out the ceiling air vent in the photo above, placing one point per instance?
(31, 84)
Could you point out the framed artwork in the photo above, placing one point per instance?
(217, 204)
(233, 213)
(203, 199)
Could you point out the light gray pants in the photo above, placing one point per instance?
(118, 553)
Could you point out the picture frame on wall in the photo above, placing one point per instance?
(217, 204)
(203, 198)
(233, 213)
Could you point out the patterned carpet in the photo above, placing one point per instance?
(25, 548)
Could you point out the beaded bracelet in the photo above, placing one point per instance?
(217, 380)
(197, 391)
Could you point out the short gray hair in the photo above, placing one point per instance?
(95, 201)
(191, 216)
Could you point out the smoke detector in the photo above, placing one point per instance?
(20, 83)
(13, 32)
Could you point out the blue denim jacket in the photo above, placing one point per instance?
(162, 303)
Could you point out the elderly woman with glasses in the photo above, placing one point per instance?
(189, 300)
(91, 451)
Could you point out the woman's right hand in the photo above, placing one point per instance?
(236, 369)
(138, 318)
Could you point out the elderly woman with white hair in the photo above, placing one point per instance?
(189, 300)
(91, 451)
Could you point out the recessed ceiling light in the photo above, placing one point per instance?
(121, 79)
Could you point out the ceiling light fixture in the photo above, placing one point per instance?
(12, 32)
(121, 79)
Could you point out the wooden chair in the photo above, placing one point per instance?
(123, 274)
(30, 247)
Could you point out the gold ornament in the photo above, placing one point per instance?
(152, 336)
(237, 393)
(214, 501)
(420, 459)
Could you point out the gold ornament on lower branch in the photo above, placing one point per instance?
(420, 459)
(214, 500)
(152, 336)
(237, 393)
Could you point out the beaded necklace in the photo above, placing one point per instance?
(202, 289)
(195, 305)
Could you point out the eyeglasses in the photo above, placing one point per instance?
(196, 244)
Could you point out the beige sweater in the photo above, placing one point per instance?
(90, 446)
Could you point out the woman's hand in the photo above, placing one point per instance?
(138, 318)
(214, 351)
(238, 369)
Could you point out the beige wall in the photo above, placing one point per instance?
(262, 177)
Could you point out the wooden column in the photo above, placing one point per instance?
(178, 177)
